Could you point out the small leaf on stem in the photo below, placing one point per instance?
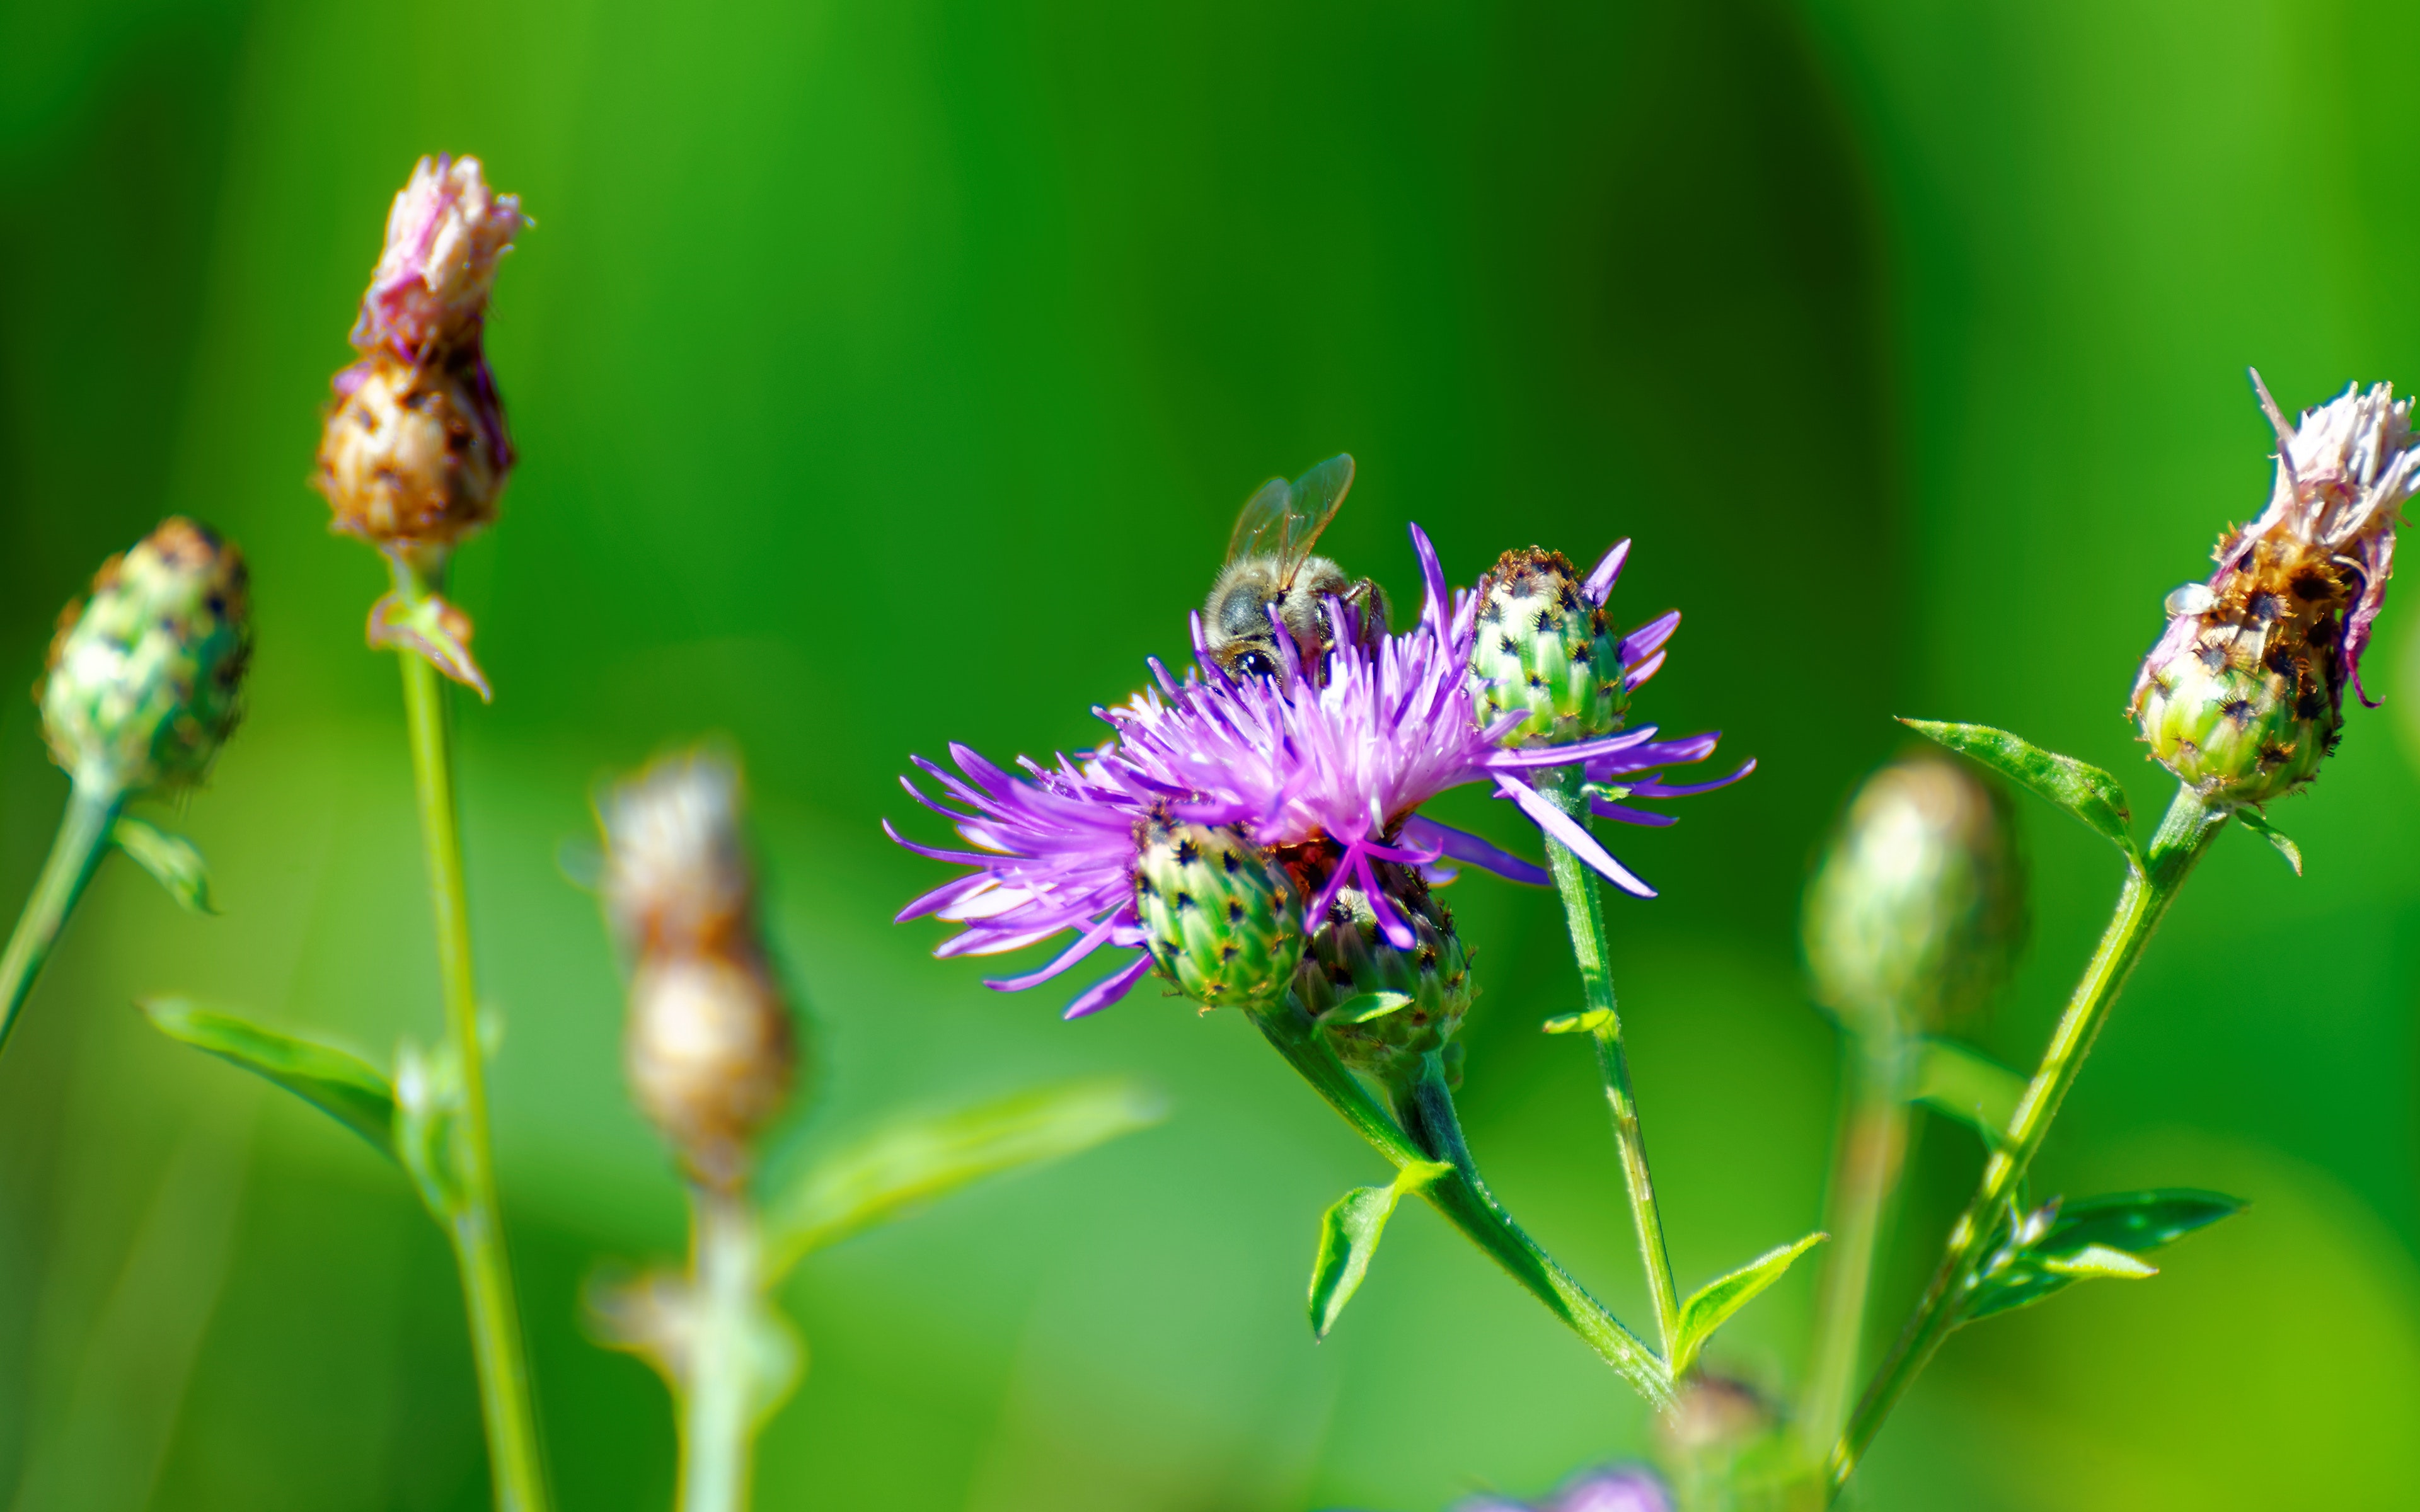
(917, 1161)
(173, 860)
(1711, 1306)
(342, 1085)
(2087, 792)
(1584, 1021)
(1348, 1238)
(2260, 826)
(1366, 1007)
(2099, 1238)
(432, 628)
(1968, 1085)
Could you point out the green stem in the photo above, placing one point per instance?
(1872, 1143)
(716, 1420)
(1578, 884)
(1436, 1134)
(2183, 835)
(82, 840)
(476, 1228)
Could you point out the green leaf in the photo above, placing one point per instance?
(1367, 1006)
(2087, 792)
(2099, 1238)
(342, 1085)
(914, 1161)
(2261, 826)
(172, 861)
(1711, 1306)
(1348, 1239)
(1584, 1021)
(1968, 1085)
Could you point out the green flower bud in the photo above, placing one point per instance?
(1350, 955)
(2243, 696)
(1543, 646)
(145, 676)
(1221, 920)
(1916, 914)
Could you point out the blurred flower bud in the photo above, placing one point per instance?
(1614, 1488)
(710, 1055)
(2243, 697)
(414, 457)
(1916, 914)
(676, 877)
(1545, 645)
(144, 676)
(1222, 922)
(443, 238)
(1350, 955)
(710, 1048)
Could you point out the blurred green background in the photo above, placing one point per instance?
(889, 374)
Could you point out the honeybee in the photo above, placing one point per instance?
(1269, 564)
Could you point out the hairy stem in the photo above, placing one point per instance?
(83, 839)
(2184, 835)
(717, 1408)
(475, 1226)
(1577, 884)
(1431, 1131)
(1872, 1144)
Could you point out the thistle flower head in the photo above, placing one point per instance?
(709, 1049)
(444, 236)
(145, 676)
(2243, 696)
(412, 456)
(1343, 762)
(1221, 920)
(1914, 918)
(1351, 955)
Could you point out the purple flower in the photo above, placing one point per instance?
(443, 238)
(1615, 1488)
(1343, 761)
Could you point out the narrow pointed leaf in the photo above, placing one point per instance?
(915, 1162)
(1711, 1306)
(2261, 826)
(1968, 1085)
(1348, 1239)
(2087, 792)
(2098, 1238)
(173, 860)
(1366, 1007)
(342, 1085)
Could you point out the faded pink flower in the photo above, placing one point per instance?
(443, 239)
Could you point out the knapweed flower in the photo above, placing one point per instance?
(709, 1049)
(444, 236)
(1615, 1488)
(145, 676)
(2243, 696)
(1915, 916)
(1341, 762)
(413, 451)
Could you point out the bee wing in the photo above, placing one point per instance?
(1264, 523)
(1318, 494)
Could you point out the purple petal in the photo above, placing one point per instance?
(1089, 941)
(1436, 613)
(1108, 990)
(1463, 846)
(1578, 840)
(1638, 676)
(1648, 637)
(1606, 572)
(1606, 808)
(1382, 908)
(1690, 789)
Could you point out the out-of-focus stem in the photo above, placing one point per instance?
(1872, 1143)
(717, 1412)
(2184, 835)
(1434, 1133)
(1585, 917)
(82, 840)
(475, 1227)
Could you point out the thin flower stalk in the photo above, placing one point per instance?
(75, 856)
